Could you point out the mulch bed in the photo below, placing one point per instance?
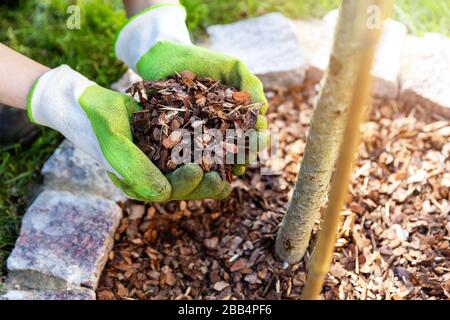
(394, 234)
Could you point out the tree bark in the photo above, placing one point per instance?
(326, 131)
(319, 263)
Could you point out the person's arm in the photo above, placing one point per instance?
(18, 74)
(134, 6)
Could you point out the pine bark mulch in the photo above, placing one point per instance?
(179, 105)
(394, 234)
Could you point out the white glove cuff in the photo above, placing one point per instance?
(54, 103)
(142, 32)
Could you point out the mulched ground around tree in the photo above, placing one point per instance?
(394, 233)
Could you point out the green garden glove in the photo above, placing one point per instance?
(97, 120)
(156, 44)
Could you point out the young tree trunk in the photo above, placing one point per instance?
(326, 130)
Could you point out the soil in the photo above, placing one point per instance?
(394, 233)
(188, 102)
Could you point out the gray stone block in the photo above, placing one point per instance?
(386, 67)
(70, 169)
(424, 76)
(267, 45)
(71, 294)
(64, 241)
(316, 40)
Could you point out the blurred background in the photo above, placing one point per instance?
(38, 30)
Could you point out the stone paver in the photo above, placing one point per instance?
(386, 67)
(267, 45)
(316, 40)
(425, 76)
(70, 169)
(64, 241)
(78, 294)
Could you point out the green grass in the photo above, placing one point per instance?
(38, 30)
(422, 16)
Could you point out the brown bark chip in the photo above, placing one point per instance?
(188, 102)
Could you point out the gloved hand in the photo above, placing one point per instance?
(155, 43)
(97, 120)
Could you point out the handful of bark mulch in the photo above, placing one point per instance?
(188, 102)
